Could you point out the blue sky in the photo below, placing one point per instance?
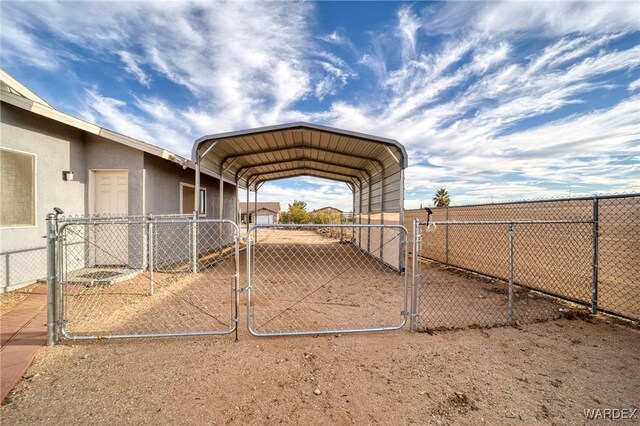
(493, 100)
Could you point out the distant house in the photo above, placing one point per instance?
(327, 215)
(50, 159)
(328, 209)
(268, 212)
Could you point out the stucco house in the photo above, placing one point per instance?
(328, 209)
(327, 214)
(267, 212)
(50, 159)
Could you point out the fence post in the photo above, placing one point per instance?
(150, 253)
(60, 278)
(594, 291)
(510, 319)
(236, 278)
(446, 235)
(52, 329)
(248, 277)
(413, 324)
(194, 243)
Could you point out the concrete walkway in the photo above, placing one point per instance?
(23, 333)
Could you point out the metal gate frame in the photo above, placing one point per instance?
(55, 320)
(402, 270)
(56, 313)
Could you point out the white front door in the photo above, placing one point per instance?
(111, 195)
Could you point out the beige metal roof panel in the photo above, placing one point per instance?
(250, 157)
(309, 136)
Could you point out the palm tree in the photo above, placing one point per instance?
(441, 198)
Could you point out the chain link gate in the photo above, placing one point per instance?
(145, 276)
(155, 276)
(319, 279)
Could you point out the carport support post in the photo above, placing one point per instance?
(196, 193)
(221, 203)
(52, 329)
(369, 218)
(360, 216)
(246, 213)
(510, 319)
(353, 214)
(255, 204)
(382, 214)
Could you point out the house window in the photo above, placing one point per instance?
(17, 188)
(187, 200)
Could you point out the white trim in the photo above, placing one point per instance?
(20, 88)
(50, 113)
(188, 185)
(35, 190)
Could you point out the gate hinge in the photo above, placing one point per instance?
(241, 289)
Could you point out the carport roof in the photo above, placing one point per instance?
(250, 157)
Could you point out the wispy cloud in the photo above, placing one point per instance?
(502, 99)
(132, 65)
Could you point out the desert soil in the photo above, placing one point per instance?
(9, 300)
(545, 373)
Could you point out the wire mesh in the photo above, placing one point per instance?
(131, 278)
(309, 280)
(592, 258)
(21, 267)
(618, 257)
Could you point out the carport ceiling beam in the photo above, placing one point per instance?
(240, 172)
(289, 148)
(303, 173)
(259, 176)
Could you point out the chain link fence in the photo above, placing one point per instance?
(308, 279)
(583, 251)
(146, 276)
(21, 267)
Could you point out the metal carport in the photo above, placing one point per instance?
(371, 166)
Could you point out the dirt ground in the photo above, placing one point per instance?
(11, 299)
(545, 373)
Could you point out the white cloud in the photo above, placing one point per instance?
(474, 106)
(548, 18)
(408, 25)
(19, 47)
(556, 18)
(317, 193)
(132, 65)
